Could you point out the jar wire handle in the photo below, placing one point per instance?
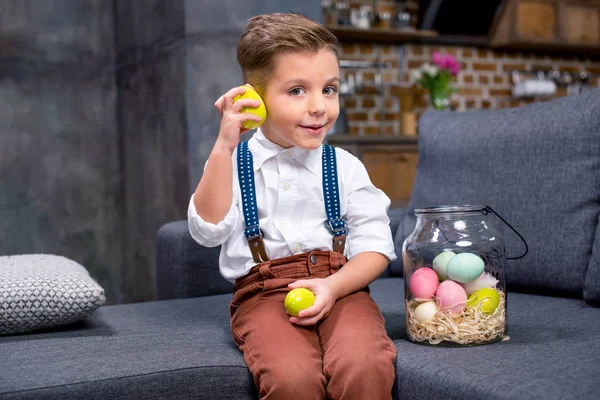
(486, 211)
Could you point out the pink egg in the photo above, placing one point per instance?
(451, 297)
(423, 284)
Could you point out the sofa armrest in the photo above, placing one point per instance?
(396, 215)
(183, 267)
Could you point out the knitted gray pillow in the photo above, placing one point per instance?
(42, 291)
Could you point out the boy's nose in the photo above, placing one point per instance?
(317, 105)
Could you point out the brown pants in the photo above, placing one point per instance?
(347, 355)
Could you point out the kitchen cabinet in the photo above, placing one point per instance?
(390, 161)
(566, 26)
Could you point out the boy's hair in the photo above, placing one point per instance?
(267, 36)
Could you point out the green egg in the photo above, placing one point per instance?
(464, 267)
(440, 263)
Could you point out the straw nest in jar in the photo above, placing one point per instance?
(470, 326)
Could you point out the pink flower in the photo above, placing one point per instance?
(446, 61)
(438, 59)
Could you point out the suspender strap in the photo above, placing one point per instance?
(246, 180)
(335, 224)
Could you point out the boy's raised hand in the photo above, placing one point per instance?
(324, 301)
(232, 120)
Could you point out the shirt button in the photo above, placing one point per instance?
(286, 186)
(288, 153)
(298, 248)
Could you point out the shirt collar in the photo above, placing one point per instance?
(262, 149)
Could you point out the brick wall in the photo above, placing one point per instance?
(485, 80)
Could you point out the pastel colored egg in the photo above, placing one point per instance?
(485, 299)
(464, 267)
(440, 262)
(425, 311)
(451, 297)
(423, 284)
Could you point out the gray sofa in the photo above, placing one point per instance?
(538, 166)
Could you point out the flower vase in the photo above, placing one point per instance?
(439, 101)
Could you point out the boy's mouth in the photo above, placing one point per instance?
(313, 128)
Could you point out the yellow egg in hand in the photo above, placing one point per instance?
(297, 300)
(261, 110)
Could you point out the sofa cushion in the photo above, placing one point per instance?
(182, 349)
(538, 166)
(175, 349)
(552, 353)
(44, 290)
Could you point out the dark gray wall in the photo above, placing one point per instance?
(106, 121)
(59, 159)
(150, 79)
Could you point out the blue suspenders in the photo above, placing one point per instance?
(335, 224)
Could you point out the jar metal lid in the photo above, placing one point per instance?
(448, 209)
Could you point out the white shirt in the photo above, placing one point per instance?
(289, 196)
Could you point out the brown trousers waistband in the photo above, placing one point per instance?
(309, 263)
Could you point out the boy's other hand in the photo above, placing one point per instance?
(324, 301)
(231, 122)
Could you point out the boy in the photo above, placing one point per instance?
(266, 204)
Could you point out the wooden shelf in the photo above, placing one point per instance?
(550, 47)
(386, 144)
(343, 138)
(379, 34)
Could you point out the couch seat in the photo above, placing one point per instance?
(183, 349)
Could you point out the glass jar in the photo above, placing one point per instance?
(454, 262)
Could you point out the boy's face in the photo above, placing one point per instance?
(302, 98)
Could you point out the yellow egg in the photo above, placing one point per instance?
(485, 299)
(261, 110)
(297, 300)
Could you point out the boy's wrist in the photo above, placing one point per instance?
(222, 148)
(335, 285)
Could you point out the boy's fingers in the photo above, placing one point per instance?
(219, 104)
(297, 284)
(306, 321)
(310, 311)
(247, 117)
(238, 105)
(228, 97)
(227, 103)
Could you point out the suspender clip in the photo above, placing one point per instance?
(253, 232)
(336, 226)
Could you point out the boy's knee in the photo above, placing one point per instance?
(364, 361)
(292, 383)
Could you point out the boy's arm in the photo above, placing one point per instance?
(214, 194)
(357, 273)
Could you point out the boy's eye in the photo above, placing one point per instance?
(296, 91)
(329, 90)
